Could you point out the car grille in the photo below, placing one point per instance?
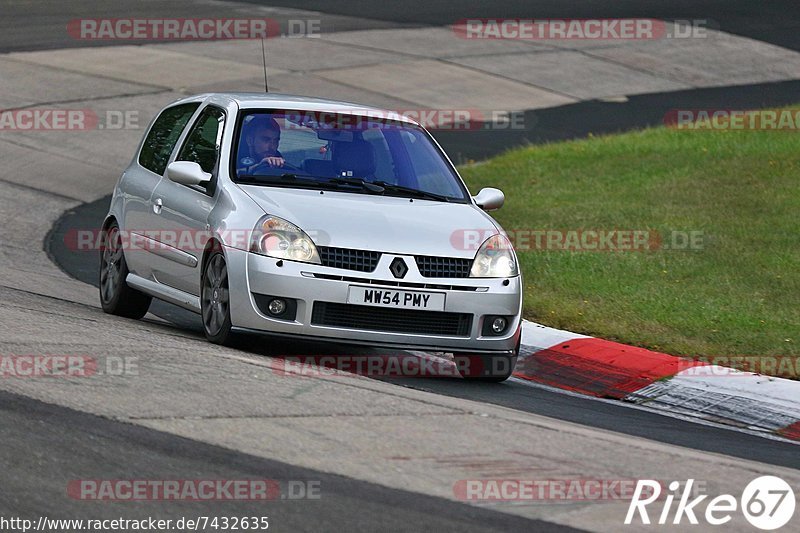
(443, 267)
(361, 260)
(391, 320)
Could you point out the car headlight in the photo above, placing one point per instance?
(279, 238)
(495, 259)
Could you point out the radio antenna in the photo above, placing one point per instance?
(264, 57)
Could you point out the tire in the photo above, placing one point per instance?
(116, 297)
(215, 308)
(486, 368)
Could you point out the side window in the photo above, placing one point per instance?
(163, 135)
(203, 142)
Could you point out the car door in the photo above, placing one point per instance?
(185, 209)
(141, 179)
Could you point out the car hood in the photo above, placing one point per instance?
(382, 223)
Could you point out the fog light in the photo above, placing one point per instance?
(277, 306)
(499, 325)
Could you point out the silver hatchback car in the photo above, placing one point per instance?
(319, 219)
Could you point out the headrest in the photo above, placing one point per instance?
(357, 156)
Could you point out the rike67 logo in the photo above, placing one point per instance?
(767, 502)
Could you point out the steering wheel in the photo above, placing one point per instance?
(286, 165)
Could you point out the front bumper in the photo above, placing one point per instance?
(252, 273)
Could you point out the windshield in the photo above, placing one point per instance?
(342, 151)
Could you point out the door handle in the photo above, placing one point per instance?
(157, 205)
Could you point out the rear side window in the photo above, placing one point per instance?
(163, 135)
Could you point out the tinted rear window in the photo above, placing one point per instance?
(163, 135)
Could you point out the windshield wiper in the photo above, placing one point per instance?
(255, 177)
(288, 179)
(377, 187)
(415, 192)
(359, 182)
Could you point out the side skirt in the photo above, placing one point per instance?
(162, 292)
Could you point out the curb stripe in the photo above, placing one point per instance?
(716, 405)
(599, 367)
(657, 380)
(791, 432)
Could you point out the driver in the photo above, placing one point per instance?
(262, 137)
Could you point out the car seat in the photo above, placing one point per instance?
(356, 159)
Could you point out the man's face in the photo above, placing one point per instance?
(264, 142)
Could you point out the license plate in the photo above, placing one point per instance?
(426, 301)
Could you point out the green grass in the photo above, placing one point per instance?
(738, 295)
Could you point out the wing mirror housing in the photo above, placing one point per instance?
(187, 173)
(490, 199)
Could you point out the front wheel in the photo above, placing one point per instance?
(116, 297)
(215, 305)
(488, 368)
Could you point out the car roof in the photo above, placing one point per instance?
(296, 102)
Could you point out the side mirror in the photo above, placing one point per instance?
(187, 173)
(490, 199)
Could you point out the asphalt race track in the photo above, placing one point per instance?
(110, 449)
(775, 22)
(28, 26)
